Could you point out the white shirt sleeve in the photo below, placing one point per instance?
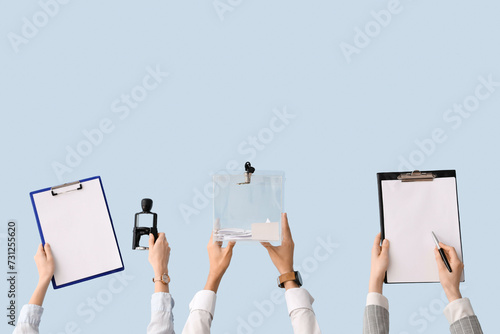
(458, 309)
(299, 303)
(162, 319)
(375, 298)
(201, 313)
(29, 319)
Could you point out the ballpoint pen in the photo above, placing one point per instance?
(443, 256)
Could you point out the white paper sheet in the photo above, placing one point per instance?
(77, 226)
(411, 211)
(266, 231)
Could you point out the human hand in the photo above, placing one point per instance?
(159, 254)
(379, 264)
(219, 258)
(44, 263)
(449, 281)
(282, 256)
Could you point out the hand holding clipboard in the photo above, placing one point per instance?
(77, 209)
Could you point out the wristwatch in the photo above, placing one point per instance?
(165, 279)
(291, 276)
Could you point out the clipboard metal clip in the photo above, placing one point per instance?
(416, 176)
(67, 187)
(249, 170)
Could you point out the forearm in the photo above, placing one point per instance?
(198, 322)
(376, 284)
(39, 293)
(291, 285)
(160, 287)
(162, 320)
(213, 282)
(375, 320)
(461, 317)
(299, 304)
(452, 293)
(29, 319)
(376, 315)
(161, 278)
(458, 309)
(201, 311)
(304, 322)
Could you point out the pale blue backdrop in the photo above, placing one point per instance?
(330, 92)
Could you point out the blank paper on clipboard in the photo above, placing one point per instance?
(74, 219)
(410, 211)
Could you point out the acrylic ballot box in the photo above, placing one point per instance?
(248, 207)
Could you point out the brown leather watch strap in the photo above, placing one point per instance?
(287, 277)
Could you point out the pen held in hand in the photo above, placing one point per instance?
(441, 251)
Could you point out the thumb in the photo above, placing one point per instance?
(48, 252)
(151, 240)
(266, 244)
(270, 248)
(385, 246)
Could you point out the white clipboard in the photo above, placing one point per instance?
(412, 205)
(74, 219)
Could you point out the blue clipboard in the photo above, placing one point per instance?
(74, 219)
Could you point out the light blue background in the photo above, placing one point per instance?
(351, 120)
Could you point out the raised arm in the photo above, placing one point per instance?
(202, 307)
(30, 315)
(299, 301)
(376, 316)
(219, 259)
(459, 311)
(162, 320)
(379, 265)
(45, 265)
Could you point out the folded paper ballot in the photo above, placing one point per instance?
(233, 234)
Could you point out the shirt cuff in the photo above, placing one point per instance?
(162, 301)
(375, 298)
(203, 300)
(458, 309)
(298, 298)
(30, 314)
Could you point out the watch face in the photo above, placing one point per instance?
(298, 278)
(165, 278)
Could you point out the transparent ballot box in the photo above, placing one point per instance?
(248, 207)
